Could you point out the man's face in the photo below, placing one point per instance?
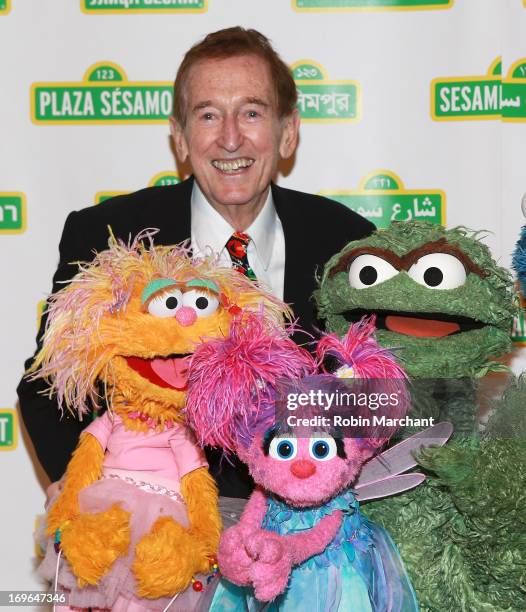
(233, 136)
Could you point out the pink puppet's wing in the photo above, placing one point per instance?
(232, 380)
(383, 475)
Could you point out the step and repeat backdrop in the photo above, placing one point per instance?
(411, 109)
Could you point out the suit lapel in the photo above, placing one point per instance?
(175, 216)
(298, 285)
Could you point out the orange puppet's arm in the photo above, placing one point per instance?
(168, 557)
(200, 494)
(84, 468)
(90, 542)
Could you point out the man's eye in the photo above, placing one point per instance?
(252, 114)
(207, 116)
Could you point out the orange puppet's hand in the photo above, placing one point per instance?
(92, 542)
(166, 559)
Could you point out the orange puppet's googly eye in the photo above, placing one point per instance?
(203, 302)
(166, 304)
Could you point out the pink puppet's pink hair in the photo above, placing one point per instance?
(359, 350)
(75, 354)
(375, 369)
(232, 381)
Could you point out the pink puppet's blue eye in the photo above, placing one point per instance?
(283, 449)
(322, 449)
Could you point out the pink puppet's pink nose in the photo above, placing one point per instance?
(186, 316)
(303, 468)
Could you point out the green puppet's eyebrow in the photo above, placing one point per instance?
(154, 286)
(204, 283)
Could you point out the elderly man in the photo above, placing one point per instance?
(234, 118)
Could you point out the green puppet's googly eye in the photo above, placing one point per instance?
(369, 270)
(438, 271)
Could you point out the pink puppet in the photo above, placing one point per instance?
(302, 542)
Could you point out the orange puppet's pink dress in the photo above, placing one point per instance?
(142, 474)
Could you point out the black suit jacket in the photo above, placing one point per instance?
(315, 228)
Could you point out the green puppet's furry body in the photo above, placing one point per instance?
(462, 534)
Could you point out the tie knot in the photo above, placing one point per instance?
(237, 246)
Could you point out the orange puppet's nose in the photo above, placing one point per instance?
(186, 316)
(303, 468)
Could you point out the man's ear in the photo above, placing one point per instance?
(179, 138)
(290, 126)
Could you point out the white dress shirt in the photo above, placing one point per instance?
(266, 250)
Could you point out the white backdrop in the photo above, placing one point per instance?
(473, 164)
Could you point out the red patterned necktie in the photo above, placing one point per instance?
(237, 246)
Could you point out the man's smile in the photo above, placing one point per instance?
(233, 166)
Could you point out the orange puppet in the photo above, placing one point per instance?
(136, 522)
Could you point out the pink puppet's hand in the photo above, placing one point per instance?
(275, 555)
(234, 561)
(272, 564)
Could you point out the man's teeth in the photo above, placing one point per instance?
(231, 166)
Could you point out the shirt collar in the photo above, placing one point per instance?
(211, 231)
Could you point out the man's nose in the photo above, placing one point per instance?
(231, 136)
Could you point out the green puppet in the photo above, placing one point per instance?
(444, 304)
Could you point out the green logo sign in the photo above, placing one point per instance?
(382, 198)
(5, 7)
(159, 180)
(513, 100)
(321, 100)
(103, 96)
(481, 97)
(470, 97)
(360, 5)
(143, 6)
(12, 212)
(8, 429)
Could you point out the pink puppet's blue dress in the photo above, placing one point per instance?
(359, 571)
